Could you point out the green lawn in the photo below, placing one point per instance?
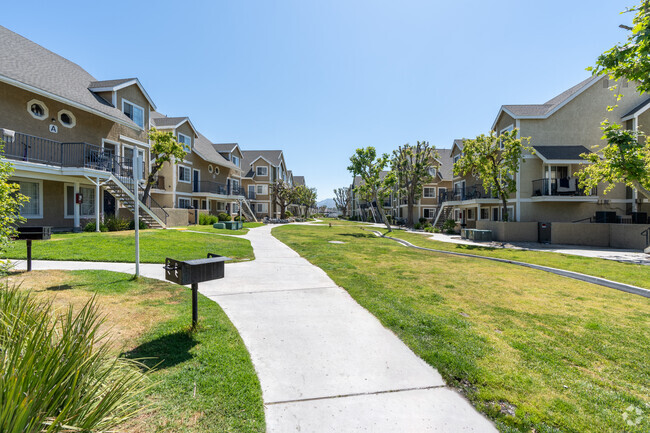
(210, 229)
(563, 355)
(340, 222)
(155, 246)
(204, 381)
(638, 275)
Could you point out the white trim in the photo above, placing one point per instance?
(179, 135)
(636, 114)
(178, 173)
(124, 85)
(72, 117)
(178, 202)
(134, 141)
(124, 100)
(46, 111)
(38, 91)
(262, 166)
(255, 160)
(68, 216)
(429, 187)
(39, 215)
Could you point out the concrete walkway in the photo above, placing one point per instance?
(325, 364)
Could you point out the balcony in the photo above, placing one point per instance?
(209, 187)
(567, 187)
(29, 148)
(465, 193)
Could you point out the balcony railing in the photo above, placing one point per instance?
(561, 187)
(460, 193)
(248, 194)
(210, 187)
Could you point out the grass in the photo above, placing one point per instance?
(205, 381)
(533, 351)
(630, 273)
(210, 229)
(155, 246)
(340, 222)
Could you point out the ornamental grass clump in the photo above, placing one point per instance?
(56, 370)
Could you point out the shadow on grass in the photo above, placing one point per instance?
(474, 247)
(59, 287)
(164, 352)
(358, 235)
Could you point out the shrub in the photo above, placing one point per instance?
(436, 230)
(241, 218)
(427, 224)
(417, 226)
(115, 224)
(142, 225)
(224, 216)
(91, 226)
(55, 371)
(289, 214)
(449, 224)
(428, 229)
(422, 220)
(205, 219)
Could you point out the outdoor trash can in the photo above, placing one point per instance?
(219, 225)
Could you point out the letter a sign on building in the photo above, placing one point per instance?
(54, 129)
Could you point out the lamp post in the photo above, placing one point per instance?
(137, 169)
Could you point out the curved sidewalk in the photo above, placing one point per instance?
(325, 364)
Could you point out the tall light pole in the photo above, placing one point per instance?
(137, 169)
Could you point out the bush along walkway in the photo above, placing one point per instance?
(324, 362)
(564, 273)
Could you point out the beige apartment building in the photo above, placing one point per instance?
(262, 168)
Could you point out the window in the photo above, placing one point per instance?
(235, 160)
(251, 191)
(495, 214)
(67, 119)
(485, 214)
(87, 206)
(37, 109)
(184, 203)
(34, 207)
(456, 215)
(184, 174)
(507, 129)
(134, 112)
(221, 205)
(456, 158)
(262, 171)
(432, 171)
(429, 213)
(429, 192)
(210, 168)
(204, 204)
(470, 214)
(128, 158)
(261, 189)
(262, 207)
(186, 141)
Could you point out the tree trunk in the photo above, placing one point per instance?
(409, 208)
(380, 208)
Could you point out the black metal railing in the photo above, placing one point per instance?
(249, 194)
(561, 187)
(460, 193)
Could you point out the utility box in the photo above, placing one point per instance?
(219, 225)
(544, 233)
(605, 217)
(639, 217)
(482, 235)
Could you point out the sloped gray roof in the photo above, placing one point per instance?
(358, 181)
(558, 153)
(545, 108)
(224, 147)
(446, 169)
(109, 83)
(637, 108)
(249, 156)
(460, 142)
(204, 148)
(28, 63)
(299, 180)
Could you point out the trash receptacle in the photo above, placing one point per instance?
(219, 225)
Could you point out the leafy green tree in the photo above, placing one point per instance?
(10, 203)
(283, 194)
(626, 157)
(412, 167)
(342, 198)
(366, 164)
(495, 161)
(305, 197)
(164, 148)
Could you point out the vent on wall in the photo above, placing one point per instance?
(605, 83)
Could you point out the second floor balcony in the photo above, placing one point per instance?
(211, 187)
(566, 187)
(462, 193)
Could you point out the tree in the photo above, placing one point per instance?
(495, 161)
(164, 148)
(284, 195)
(306, 197)
(366, 164)
(10, 203)
(625, 159)
(412, 167)
(626, 156)
(342, 198)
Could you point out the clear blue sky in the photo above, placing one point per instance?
(318, 79)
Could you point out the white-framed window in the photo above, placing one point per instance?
(506, 129)
(262, 171)
(251, 191)
(127, 152)
(38, 109)
(429, 192)
(235, 160)
(457, 214)
(262, 207)
(432, 171)
(485, 214)
(470, 214)
(429, 213)
(262, 189)
(87, 206)
(67, 119)
(185, 141)
(34, 191)
(184, 174)
(495, 213)
(456, 157)
(210, 168)
(134, 112)
(184, 203)
(221, 206)
(235, 208)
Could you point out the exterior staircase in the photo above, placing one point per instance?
(122, 189)
(246, 209)
(443, 211)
